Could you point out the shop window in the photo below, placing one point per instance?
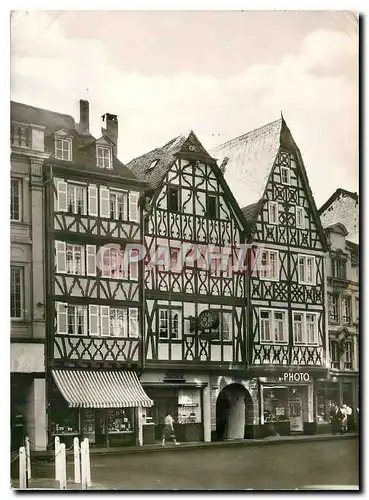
(275, 404)
(346, 310)
(189, 406)
(120, 421)
(333, 307)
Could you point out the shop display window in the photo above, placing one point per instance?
(189, 406)
(327, 394)
(120, 421)
(64, 422)
(275, 404)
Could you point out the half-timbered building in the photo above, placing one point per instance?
(286, 282)
(195, 293)
(94, 297)
(340, 219)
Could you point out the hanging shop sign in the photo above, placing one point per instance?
(296, 377)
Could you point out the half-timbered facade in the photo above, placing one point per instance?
(286, 282)
(94, 297)
(195, 294)
(343, 303)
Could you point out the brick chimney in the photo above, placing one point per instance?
(111, 130)
(84, 117)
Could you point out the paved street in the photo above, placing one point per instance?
(278, 466)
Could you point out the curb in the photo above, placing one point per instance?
(215, 444)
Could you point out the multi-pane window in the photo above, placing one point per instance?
(346, 310)
(16, 292)
(97, 320)
(334, 354)
(347, 356)
(339, 269)
(15, 199)
(170, 325)
(118, 205)
(269, 264)
(285, 175)
(77, 199)
(273, 327)
(173, 199)
(103, 157)
(226, 325)
(273, 212)
(63, 149)
(298, 328)
(305, 328)
(333, 307)
(77, 320)
(211, 206)
(75, 259)
(357, 309)
(116, 264)
(306, 269)
(300, 217)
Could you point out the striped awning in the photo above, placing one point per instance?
(101, 389)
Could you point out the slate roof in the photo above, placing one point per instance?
(330, 216)
(251, 158)
(164, 157)
(53, 121)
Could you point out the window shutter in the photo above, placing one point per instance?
(133, 322)
(94, 320)
(61, 264)
(104, 202)
(133, 206)
(92, 199)
(62, 318)
(62, 196)
(91, 260)
(105, 320)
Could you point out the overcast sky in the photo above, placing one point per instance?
(219, 73)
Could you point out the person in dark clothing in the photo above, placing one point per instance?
(336, 418)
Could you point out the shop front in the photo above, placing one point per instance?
(183, 399)
(286, 405)
(107, 407)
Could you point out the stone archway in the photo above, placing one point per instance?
(234, 407)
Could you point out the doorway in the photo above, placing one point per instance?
(296, 418)
(234, 408)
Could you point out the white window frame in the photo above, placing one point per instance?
(93, 200)
(74, 188)
(62, 196)
(101, 157)
(163, 322)
(273, 322)
(91, 260)
(134, 213)
(305, 258)
(228, 324)
(168, 319)
(265, 270)
(288, 170)
(114, 211)
(301, 211)
(18, 184)
(21, 292)
(270, 205)
(304, 328)
(345, 307)
(75, 249)
(104, 199)
(78, 308)
(64, 141)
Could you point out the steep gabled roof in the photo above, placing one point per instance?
(154, 165)
(336, 195)
(251, 160)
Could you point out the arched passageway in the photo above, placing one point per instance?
(234, 408)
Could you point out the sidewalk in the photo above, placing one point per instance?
(150, 448)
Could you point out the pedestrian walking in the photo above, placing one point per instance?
(349, 417)
(168, 431)
(336, 417)
(344, 419)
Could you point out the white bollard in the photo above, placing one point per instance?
(57, 458)
(77, 462)
(22, 468)
(88, 464)
(63, 468)
(28, 458)
(83, 466)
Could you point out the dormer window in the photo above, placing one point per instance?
(63, 148)
(103, 157)
(152, 166)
